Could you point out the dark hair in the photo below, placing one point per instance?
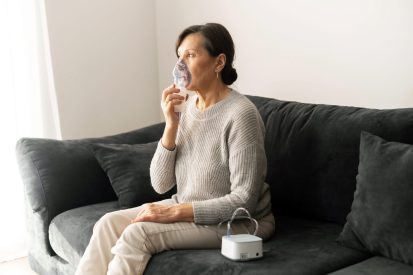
(217, 41)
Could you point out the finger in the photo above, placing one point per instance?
(170, 106)
(144, 218)
(165, 92)
(139, 214)
(139, 218)
(171, 97)
(169, 90)
(135, 220)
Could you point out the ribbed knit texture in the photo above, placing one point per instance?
(219, 162)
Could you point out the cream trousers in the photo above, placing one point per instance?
(119, 247)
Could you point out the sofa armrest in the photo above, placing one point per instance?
(59, 175)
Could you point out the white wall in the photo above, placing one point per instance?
(112, 58)
(104, 58)
(347, 52)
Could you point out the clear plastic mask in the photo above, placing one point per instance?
(182, 78)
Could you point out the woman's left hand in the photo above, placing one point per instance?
(154, 212)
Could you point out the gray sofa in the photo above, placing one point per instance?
(313, 158)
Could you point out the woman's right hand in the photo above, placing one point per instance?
(170, 98)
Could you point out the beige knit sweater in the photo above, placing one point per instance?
(219, 162)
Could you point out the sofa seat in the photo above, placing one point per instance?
(376, 266)
(299, 246)
(70, 231)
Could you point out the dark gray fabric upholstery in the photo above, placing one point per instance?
(376, 266)
(313, 152)
(381, 219)
(39, 257)
(127, 166)
(299, 247)
(62, 175)
(64, 242)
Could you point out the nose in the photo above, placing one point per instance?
(181, 64)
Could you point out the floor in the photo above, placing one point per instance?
(16, 267)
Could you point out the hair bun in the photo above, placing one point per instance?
(229, 75)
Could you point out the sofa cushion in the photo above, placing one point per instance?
(70, 231)
(299, 247)
(381, 220)
(376, 266)
(59, 175)
(127, 167)
(313, 151)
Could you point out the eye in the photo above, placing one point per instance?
(191, 55)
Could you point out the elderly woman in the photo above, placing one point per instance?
(213, 152)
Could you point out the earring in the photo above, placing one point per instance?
(217, 75)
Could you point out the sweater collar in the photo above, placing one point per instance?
(212, 110)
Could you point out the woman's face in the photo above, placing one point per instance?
(200, 63)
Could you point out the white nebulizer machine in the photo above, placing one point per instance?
(182, 78)
(241, 247)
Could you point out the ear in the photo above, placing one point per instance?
(221, 59)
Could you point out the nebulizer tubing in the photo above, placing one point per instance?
(234, 216)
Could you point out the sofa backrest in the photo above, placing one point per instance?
(313, 153)
(59, 175)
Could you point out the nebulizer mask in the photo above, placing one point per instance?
(182, 78)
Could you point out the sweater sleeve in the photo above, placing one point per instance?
(247, 166)
(162, 169)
